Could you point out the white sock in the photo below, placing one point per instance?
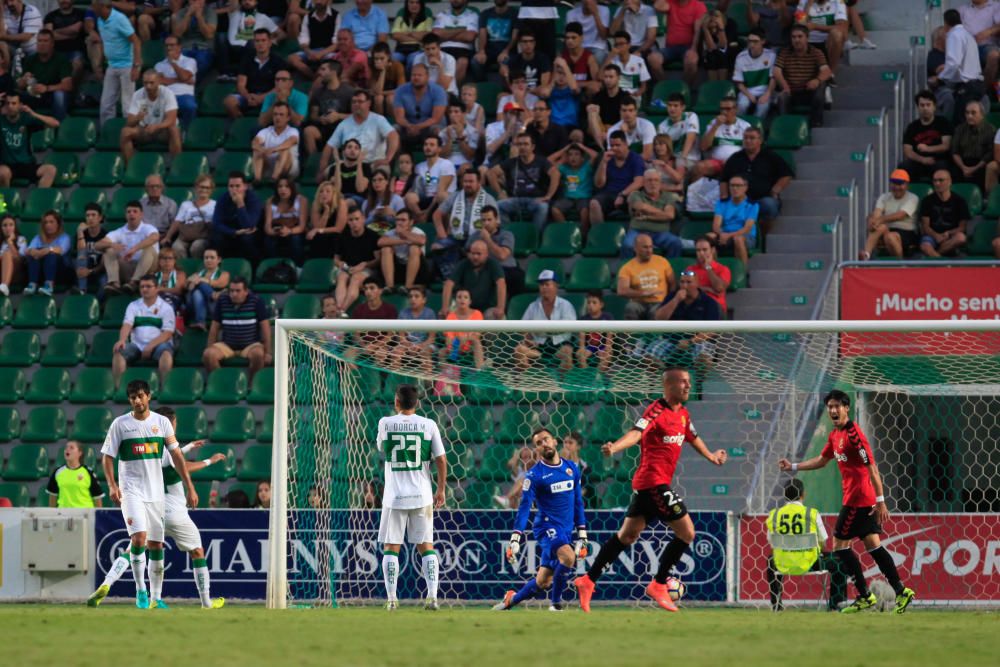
(139, 569)
(390, 573)
(429, 565)
(118, 568)
(201, 581)
(156, 574)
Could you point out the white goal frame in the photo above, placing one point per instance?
(277, 576)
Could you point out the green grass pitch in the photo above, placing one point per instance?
(247, 636)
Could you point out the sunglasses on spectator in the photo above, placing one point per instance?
(688, 274)
(896, 181)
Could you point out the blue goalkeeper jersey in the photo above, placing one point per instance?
(556, 492)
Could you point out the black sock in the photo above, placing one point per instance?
(607, 555)
(671, 556)
(884, 561)
(852, 567)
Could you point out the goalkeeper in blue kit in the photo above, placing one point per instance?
(553, 486)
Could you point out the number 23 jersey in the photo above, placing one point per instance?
(409, 444)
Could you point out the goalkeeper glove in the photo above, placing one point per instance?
(582, 546)
(514, 546)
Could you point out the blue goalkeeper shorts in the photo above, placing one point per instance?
(549, 542)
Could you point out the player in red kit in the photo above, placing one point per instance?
(864, 511)
(661, 432)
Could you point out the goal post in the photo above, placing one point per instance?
(756, 388)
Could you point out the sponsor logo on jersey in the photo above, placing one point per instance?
(673, 439)
(559, 487)
(140, 448)
(642, 424)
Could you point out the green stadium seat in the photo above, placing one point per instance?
(114, 311)
(27, 463)
(12, 384)
(180, 194)
(91, 424)
(205, 134)
(191, 348)
(67, 168)
(217, 472)
(44, 424)
(48, 385)
(182, 385)
(609, 423)
(12, 200)
(75, 134)
(153, 52)
(754, 122)
(518, 304)
(981, 241)
(517, 423)
(10, 424)
(921, 190)
(302, 306)
(41, 200)
(583, 386)
(137, 373)
(249, 488)
(35, 312)
(101, 348)
(318, 276)
(79, 311)
(738, 273)
(237, 266)
(738, 13)
(525, 238)
(232, 162)
(663, 90)
(241, 133)
(186, 168)
(266, 432)
(192, 423)
(79, 199)
(16, 493)
(103, 170)
(142, 165)
(789, 131)
(6, 311)
(29, 229)
(93, 385)
(589, 273)
(42, 140)
(307, 174)
(256, 464)
(470, 426)
(262, 287)
(493, 467)
(972, 194)
(19, 348)
(262, 387)
(536, 266)
(233, 424)
(116, 212)
(210, 103)
(788, 156)
(487, 93)
(109, 138)
(560, 239)
(992, 210)
(711, 93)
(605, 240)
(204, 491)
(64, 348)
(225, 386)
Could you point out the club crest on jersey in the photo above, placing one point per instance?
(568, 471)
(156, 429)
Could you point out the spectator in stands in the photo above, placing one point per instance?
(671, 171)
(458, 218)
(151, 117)
(17, 160)
(434, 183)
(285, 215)
(47, 78)
(652, 211)
(195, 26)
(22, 23)
(827, 24)
(639, 132)
(594, 20)
(774, 17)
(519, 463)
(377, 138)
(683, 128)
(576, 173)
(766, 172)
(944, 216)
(972, 145)
(634, 74)
(414, 349)
(501, 134)
(353, 60)
(13, 247)
(595, 345)
(639, 22)
(718, 41)
(241, 326)
(378, 344)
(525, 184)
(327, 218)
(412, 22)
(519, 93)
(262, 496)
(189, 231)
(619, 173)
(387, 75)
(235, 219)
(735, 223)
(74, 484)
(66, 24)
(483, 277)
(297, 101)
(563, 100)
(382, 203)
(89, 260)
(458, 30)
(257, 71)
(419, 107)
(204, 287)
(171, 282)
(579, 65)
(722, 139)
(548, 137)
(683, 23)
(961, 80)
(927, 139)
(713, 278)
(316, 40)
(129, 251)
(330, 104)
(146, 333)
(535, 64)
(367, 24)
(981, 18)
(158, 209)
(500, 243)
(356, 258)
(546, 346)
(936, 57)
(459, 346)
(179, 74)
(893, 222)
(401, 252)
(122, 49)
(753, 75)
(243, 26)
(496, 32)
(688, 303)
(459, 139)
(644, 280)
(276, 148)
(802, 74)
(47, 255)
(351, 174)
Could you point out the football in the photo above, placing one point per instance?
(676, 588)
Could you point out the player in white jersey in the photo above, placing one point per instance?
(178, 525)
(138, 439)
(410, 442)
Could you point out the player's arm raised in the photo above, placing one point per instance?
(718, 457)
(195, 466)
(815, 463)
(180, 465)
(630, 439)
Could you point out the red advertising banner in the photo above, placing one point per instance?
(949, 558)
(924, 293)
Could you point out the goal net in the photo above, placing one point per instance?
(925, 393)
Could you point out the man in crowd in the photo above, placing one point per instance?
(605, 107)
(378, 138)
(961, 79)
(943, 218)
(419, 107)
(151, 117)
(684, 18)
(752, 74)
(802, 74)
(972, 145)
(619, 173)
(458, 218)
(235, 219)
(17, 160)
(123, 51)
(893, 222)
(496, 29)
(722, 139)
(129, 251)
(241, 326)
(543, 346)
(284, 91)
(368, 24)
(525, 184)
(458, 29)
(644, 280)
(178, 73)
(483, 277)
(652, 210)
(713, 278)
(330, 104)
(639, 132)
(276, 148)
(255, 80)
(146, 333)
(684, 129)
(766, 172)
(47, 78)
(927, 139)
(158, 210)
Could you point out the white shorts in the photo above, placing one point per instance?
(143, 517)
(417, 523)
(180, 527)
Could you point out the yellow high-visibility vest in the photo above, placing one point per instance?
(794, 537)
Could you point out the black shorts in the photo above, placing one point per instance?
(659, 502)
(26, 170)
(856, 522)
(910, 240)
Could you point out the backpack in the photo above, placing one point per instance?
(280, 274)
